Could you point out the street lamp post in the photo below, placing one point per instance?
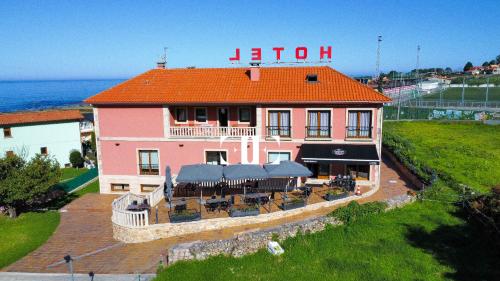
(69, 262)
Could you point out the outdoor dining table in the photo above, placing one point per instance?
(216, 200)
(256, 197)
(138, 208)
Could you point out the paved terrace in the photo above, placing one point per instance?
(85, 232)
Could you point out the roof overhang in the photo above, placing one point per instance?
(340, 153)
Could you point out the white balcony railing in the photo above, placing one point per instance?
(211, 132)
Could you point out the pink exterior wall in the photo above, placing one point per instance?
(121, 157)
(130, 121)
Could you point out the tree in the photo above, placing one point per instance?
(75, 158)
(23, 183)
(498, 59)
(493, 62)
(448, 70)
(485, 64)
(468, 66)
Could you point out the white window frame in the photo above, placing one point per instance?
(215, 150)
(278, 151)
(371, 109)
(280, 109)
(206, 113)
(138, 162)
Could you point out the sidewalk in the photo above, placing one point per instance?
(18, 276)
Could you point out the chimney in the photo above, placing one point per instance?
(161, 65)
(254, 71)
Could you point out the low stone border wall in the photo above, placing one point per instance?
(165, 230)
(246, 243)
(251, 242)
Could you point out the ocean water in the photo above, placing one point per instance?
(35, 95)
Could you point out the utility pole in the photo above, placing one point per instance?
(416, 70)
(463, 90)
(378, 56)
(401, 84)
(487, 90)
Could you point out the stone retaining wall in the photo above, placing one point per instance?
(251, 242)
(246, 243)
(165, 230)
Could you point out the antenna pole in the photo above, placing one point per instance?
(417, 67)
(379, 39)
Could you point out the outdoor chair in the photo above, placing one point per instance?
(145, 202)
(224, 205)
(134, 202)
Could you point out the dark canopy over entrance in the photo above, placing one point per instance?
(340, 153)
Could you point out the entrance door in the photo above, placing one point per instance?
(323, 171)
(223, 116)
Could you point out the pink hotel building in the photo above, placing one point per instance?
(324, 120)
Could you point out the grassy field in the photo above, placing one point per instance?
(471, 94)
(69, 173)
(91, 188)
(469, 152)
(24, 234)
(428, 240)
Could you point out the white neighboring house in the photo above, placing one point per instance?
(496, 70)
(54, 132)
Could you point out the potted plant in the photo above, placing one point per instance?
(184, 216)
(293, 203)
(244, 211)
(335, 194)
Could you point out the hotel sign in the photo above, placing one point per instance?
(301, 53)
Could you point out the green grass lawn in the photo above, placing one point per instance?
(472, 94)
(24, 234)
(468, 151)
(27, 232)
(427, 240)
(69, 173)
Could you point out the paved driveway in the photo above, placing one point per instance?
(86, 234)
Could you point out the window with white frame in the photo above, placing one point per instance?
(149, 162)
(215, 157)
(279, 123)
(359, 124)
(200, 114)
(281, 155)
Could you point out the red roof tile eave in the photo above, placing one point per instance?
(139, 103)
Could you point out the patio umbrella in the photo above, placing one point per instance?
(199, 173)
(244, 171)
(287, 169)
(168, 185)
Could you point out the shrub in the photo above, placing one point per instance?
(354, 211)
(76, 159)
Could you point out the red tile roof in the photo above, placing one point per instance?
(233, 85)
(39, 117)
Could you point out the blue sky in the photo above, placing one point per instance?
(119, 39)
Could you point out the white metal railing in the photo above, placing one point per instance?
(155, 196)
(135, 219)
(211, 132)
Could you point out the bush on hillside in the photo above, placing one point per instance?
(354, 211)
(76, 159)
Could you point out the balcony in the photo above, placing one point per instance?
(354, 132)
(281, 131)
(318, 132)
(149, 169)
(211, 132)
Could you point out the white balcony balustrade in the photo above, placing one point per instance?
(211, 132)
